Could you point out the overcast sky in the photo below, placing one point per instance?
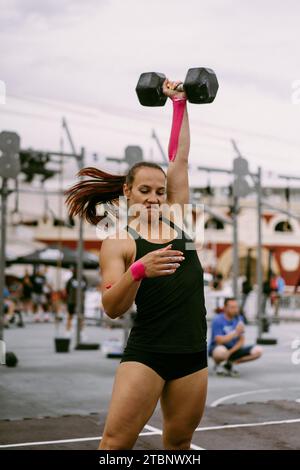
(82, 60)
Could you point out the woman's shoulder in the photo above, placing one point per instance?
(119, 244)
(120, 241)
(120, 236)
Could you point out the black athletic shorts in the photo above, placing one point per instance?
(169, 366)
(243, 351)
(71, 309)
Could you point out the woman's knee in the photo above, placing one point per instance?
(178, 434)
(117, 441)
(182, 445)
(176, 441)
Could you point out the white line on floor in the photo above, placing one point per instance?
(159, 431)
(248, 425)
(152, 431)
(65, 441)
(235, 395)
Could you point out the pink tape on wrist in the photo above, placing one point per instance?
(179, 105)
(138, 271)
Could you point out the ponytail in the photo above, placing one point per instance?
(83, 197)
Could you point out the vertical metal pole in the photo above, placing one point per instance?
(79, 293)
(155, 137)
(57, 304)
(4, 193)
(65, 126)
(235, 270)
(259, 273)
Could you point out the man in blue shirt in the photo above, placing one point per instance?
(227, 344)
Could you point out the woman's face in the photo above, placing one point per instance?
(148, 190)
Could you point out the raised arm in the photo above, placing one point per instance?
(179, 146)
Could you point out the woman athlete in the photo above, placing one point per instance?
(166, 355)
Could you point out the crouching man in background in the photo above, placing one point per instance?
(227, 345)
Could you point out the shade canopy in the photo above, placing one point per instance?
(55, 255)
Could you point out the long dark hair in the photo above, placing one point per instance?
(104, 188)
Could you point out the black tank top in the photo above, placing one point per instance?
(171, 315)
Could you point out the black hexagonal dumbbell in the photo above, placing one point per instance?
(200, 85)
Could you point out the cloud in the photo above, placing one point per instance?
(90, 54)
(23, 13)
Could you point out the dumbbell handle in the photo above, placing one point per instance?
(179, 87)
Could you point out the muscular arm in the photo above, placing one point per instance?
(120, 296)
(177, 174)
(183, 141)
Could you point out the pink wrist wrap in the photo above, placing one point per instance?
(179, 105)
(138, 271)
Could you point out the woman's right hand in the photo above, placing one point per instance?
(169, 89)
(162, 262)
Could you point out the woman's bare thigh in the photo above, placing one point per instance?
(135, 394)
(182, 403)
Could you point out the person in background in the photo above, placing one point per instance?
(9, 307)
(227, 345)
(15, 289)
(47, 291)
(57, 302)
(217, 282)
(246, 289)
(27, 293)
(71, 291)
(277, 285)
(217, 285)
(39, 300)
